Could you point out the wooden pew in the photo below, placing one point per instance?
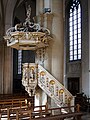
(11, 113)
(76, 116)
(12, 104)
(11, 96)
(46, 114)
(23, 112)
(42, 113)
(15, 102)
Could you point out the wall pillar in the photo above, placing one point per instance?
(54, 22)
(7, 51)
(85, 47)
(88, 84)
(55, 53)
(1, 46)
(39, 6)
(8, 71)
(58, 38)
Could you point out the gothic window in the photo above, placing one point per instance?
(75, 31)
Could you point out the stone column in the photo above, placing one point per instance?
(55, 55)
(1, 46)
(58, 40)
(7, 51)
(8, 71)
(48, 19)
(47, 23)
(88, 81)
(85, 47)
(39, 6)
(1, 67)
(5, 57)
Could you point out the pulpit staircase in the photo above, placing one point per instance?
(35, 75)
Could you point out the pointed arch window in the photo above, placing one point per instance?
(75, 31)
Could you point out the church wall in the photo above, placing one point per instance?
(89, 41)
(73, 69)
(1, 48)
(5, 57)
(79, 68)
(85, 48)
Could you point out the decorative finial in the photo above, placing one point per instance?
(28, 12)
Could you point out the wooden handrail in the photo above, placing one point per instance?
(15, 103)
(76, 116)
(25, 111)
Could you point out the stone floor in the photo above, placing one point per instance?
(86, 117)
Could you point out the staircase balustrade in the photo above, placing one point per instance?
(34, 75)
(54, 88)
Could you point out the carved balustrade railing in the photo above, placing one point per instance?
(34, 75)
(54, 88)
(29, 77)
